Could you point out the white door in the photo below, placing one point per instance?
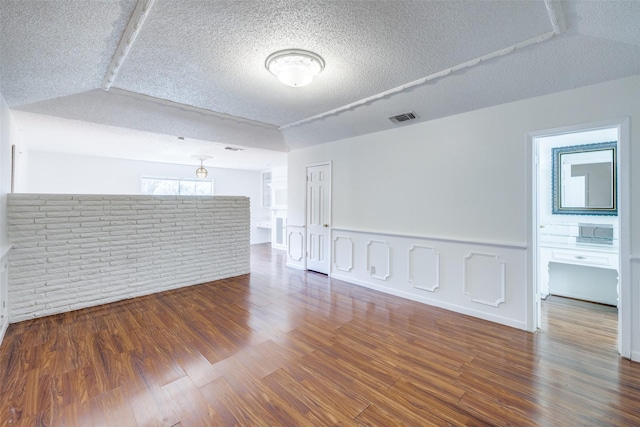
(318, 217)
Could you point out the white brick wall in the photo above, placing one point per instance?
(76, 251)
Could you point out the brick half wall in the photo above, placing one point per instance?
(76, 251)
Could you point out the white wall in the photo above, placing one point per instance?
(465, 177)
(59, 173)
(7, 139)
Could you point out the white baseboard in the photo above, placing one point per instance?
(433, 302)
(296, 266)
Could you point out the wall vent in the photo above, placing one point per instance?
(403, 117)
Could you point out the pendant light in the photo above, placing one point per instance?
(201, 172)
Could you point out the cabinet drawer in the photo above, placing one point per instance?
(595, 259)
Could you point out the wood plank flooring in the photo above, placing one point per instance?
(291, 348)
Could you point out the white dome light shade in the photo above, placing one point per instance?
(295, 67)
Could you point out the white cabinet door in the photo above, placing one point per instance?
(318, 217)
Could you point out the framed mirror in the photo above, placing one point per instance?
(583, 179)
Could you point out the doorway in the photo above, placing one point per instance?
(318, 217)
(577, 252)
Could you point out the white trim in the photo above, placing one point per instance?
(301, 255)
(437, 272)
(634, 258)
(432, 302)
(503, 284)
(534, 306)
(556, 16)
(296, 266)
(625, 301)
(129, 36)
(555, 13)
(376, 275)
(504, 245)
(351, 254)
(433, 77)
(291, 262)
(326, 162)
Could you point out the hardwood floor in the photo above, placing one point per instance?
(285, 347)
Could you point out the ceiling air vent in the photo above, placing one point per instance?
(403, 117)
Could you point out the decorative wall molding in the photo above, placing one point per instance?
(505, 245)
(484, 278)
(139, 15)
(343, 253)
(424, 268)
(295, 242)
(184, 108)
(556, 16)
(437, 273)
(379, 259)
(554, 12)
(430, 299)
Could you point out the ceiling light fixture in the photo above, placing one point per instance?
(295, 67)
(201, 172)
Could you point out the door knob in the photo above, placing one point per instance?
(325, 225)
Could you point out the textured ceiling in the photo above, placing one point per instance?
(196, 68)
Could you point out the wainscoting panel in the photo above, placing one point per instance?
(296, 246)
(424, 268)
(484, 278)
(378, 259)
(481, 279)
(343, 253)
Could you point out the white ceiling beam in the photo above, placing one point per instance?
(435, 76)
(556, 16)
(128, 37)
(558, 25)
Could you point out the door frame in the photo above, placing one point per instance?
(624, 225)
(306, 204)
